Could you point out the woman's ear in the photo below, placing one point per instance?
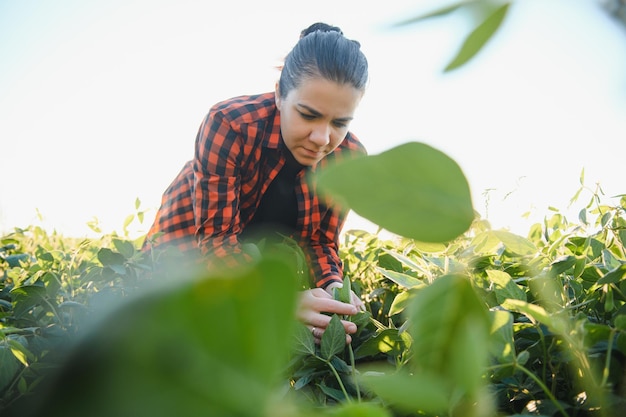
(277, 95)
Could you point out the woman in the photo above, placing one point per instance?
(252, 157)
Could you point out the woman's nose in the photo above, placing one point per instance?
(320, 135)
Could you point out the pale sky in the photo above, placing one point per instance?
(100, 101)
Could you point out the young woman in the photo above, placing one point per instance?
(252, 156)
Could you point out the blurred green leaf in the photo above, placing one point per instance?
(27, 297)
(9, 365)
(20, 352)
(505, 287)
(614, 276)
(450, 327)
(124, 247)
(420, 391)
(515, 243)
(502, 342)
(204, 342)
(359, 409)
(477, 39)
(421, 193)
(109, 258)
(435, 13)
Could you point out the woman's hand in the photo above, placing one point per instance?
(354, 299)
(313, 303)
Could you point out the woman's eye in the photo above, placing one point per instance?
(307, 116)
(340, 125)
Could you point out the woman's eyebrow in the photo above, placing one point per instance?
(309, 109)
(318, 114)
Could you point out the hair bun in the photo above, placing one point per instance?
(322, 27)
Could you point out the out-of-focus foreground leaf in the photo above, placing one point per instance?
(413, 190)
(211, 346)
(477, 39)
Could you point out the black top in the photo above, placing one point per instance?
(278, 209)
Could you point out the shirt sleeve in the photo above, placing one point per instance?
(215, 197)
(326, 265)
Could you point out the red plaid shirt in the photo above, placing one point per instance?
(238, 152)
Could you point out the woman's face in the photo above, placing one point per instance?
(314, 117)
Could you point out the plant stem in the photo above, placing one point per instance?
(537, 381)
(343, 388)
(543, 387)
(607, 362)
(352, 364)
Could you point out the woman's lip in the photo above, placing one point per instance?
(312, 154)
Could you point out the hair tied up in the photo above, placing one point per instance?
(322, 27)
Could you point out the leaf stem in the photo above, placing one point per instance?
(607, 362)
(352, 364)
(343, 388)
(537, 381)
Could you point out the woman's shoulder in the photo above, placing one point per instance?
(352, 144)
(247, 108)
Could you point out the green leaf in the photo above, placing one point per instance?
(124, 247)
(27, 297)
(400, 302)
(403, 280)
(477, 39)
(620, 322)
(563, 264)
(514, 243)
(304, 340)
(216, 344)
(450, 326)
(614, 276)
(334, 338)
(9, 365)
(361, 318)
(421, 193)
(128, 220)
(387, 341)
(343, 294)
(357, 409)
(109, 258)
(408, 262)
(536, 313)
(435, 13)
(502, 342)
(20, 352)
(505, 287)
(333, 393)
(522, 358)
(423, 391)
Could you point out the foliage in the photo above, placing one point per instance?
(485, 323)
(555, 301)
(423, 187)
(47, 285)
(488, 17)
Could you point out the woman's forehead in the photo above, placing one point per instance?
(326, 97)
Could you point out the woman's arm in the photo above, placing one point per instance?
(216, 186)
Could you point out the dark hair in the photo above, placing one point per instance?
(323, 51)
(324, 27)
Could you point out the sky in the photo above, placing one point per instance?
(100, 101)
